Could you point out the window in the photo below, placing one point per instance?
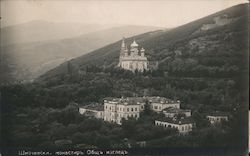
(135, 109)
(132, 109)
(160, 107)
(155, 107)
(127, 109)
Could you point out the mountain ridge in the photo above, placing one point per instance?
(25, 61)
(162, 45)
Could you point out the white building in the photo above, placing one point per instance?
(160, 103)
(184, 125)
(134, 58)
(217, 117)
(116, 109)
(171, 112)
(94, 110)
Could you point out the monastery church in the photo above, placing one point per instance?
(133, 58)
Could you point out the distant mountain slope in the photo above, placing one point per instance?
(40, 30)
(188, 50)
(26, 61)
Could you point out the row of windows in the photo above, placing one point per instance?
(216, 119)
(122, 109)
(123, 115)
(127, 115)
(183, 128)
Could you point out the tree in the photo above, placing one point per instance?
(147, 108)
(200, 120)
(128, 127)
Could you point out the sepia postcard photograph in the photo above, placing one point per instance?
(124, 77)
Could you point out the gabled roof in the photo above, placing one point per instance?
(186, 120)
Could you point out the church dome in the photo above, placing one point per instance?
(134, 44)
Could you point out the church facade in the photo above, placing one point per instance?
(133, 58)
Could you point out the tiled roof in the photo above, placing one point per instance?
(218, 113)
(127, 101)
(186, 120)
(175, 110)
(94, 106)
(135, 100)
(157, 99)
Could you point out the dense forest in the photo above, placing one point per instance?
(46, 115)
(205, 70)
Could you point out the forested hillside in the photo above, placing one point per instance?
(186, 49)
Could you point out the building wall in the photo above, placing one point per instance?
(114, 112)
(97, 114)
(82, 110)
(130, 64)
(216, 119)
(182, 128)
(171, 115)
(158, 107)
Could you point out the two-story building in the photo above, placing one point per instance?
(116, 109)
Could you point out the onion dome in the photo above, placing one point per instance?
(134, 44)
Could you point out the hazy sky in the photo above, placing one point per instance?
(164, 13)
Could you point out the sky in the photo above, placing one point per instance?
(161, 13)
